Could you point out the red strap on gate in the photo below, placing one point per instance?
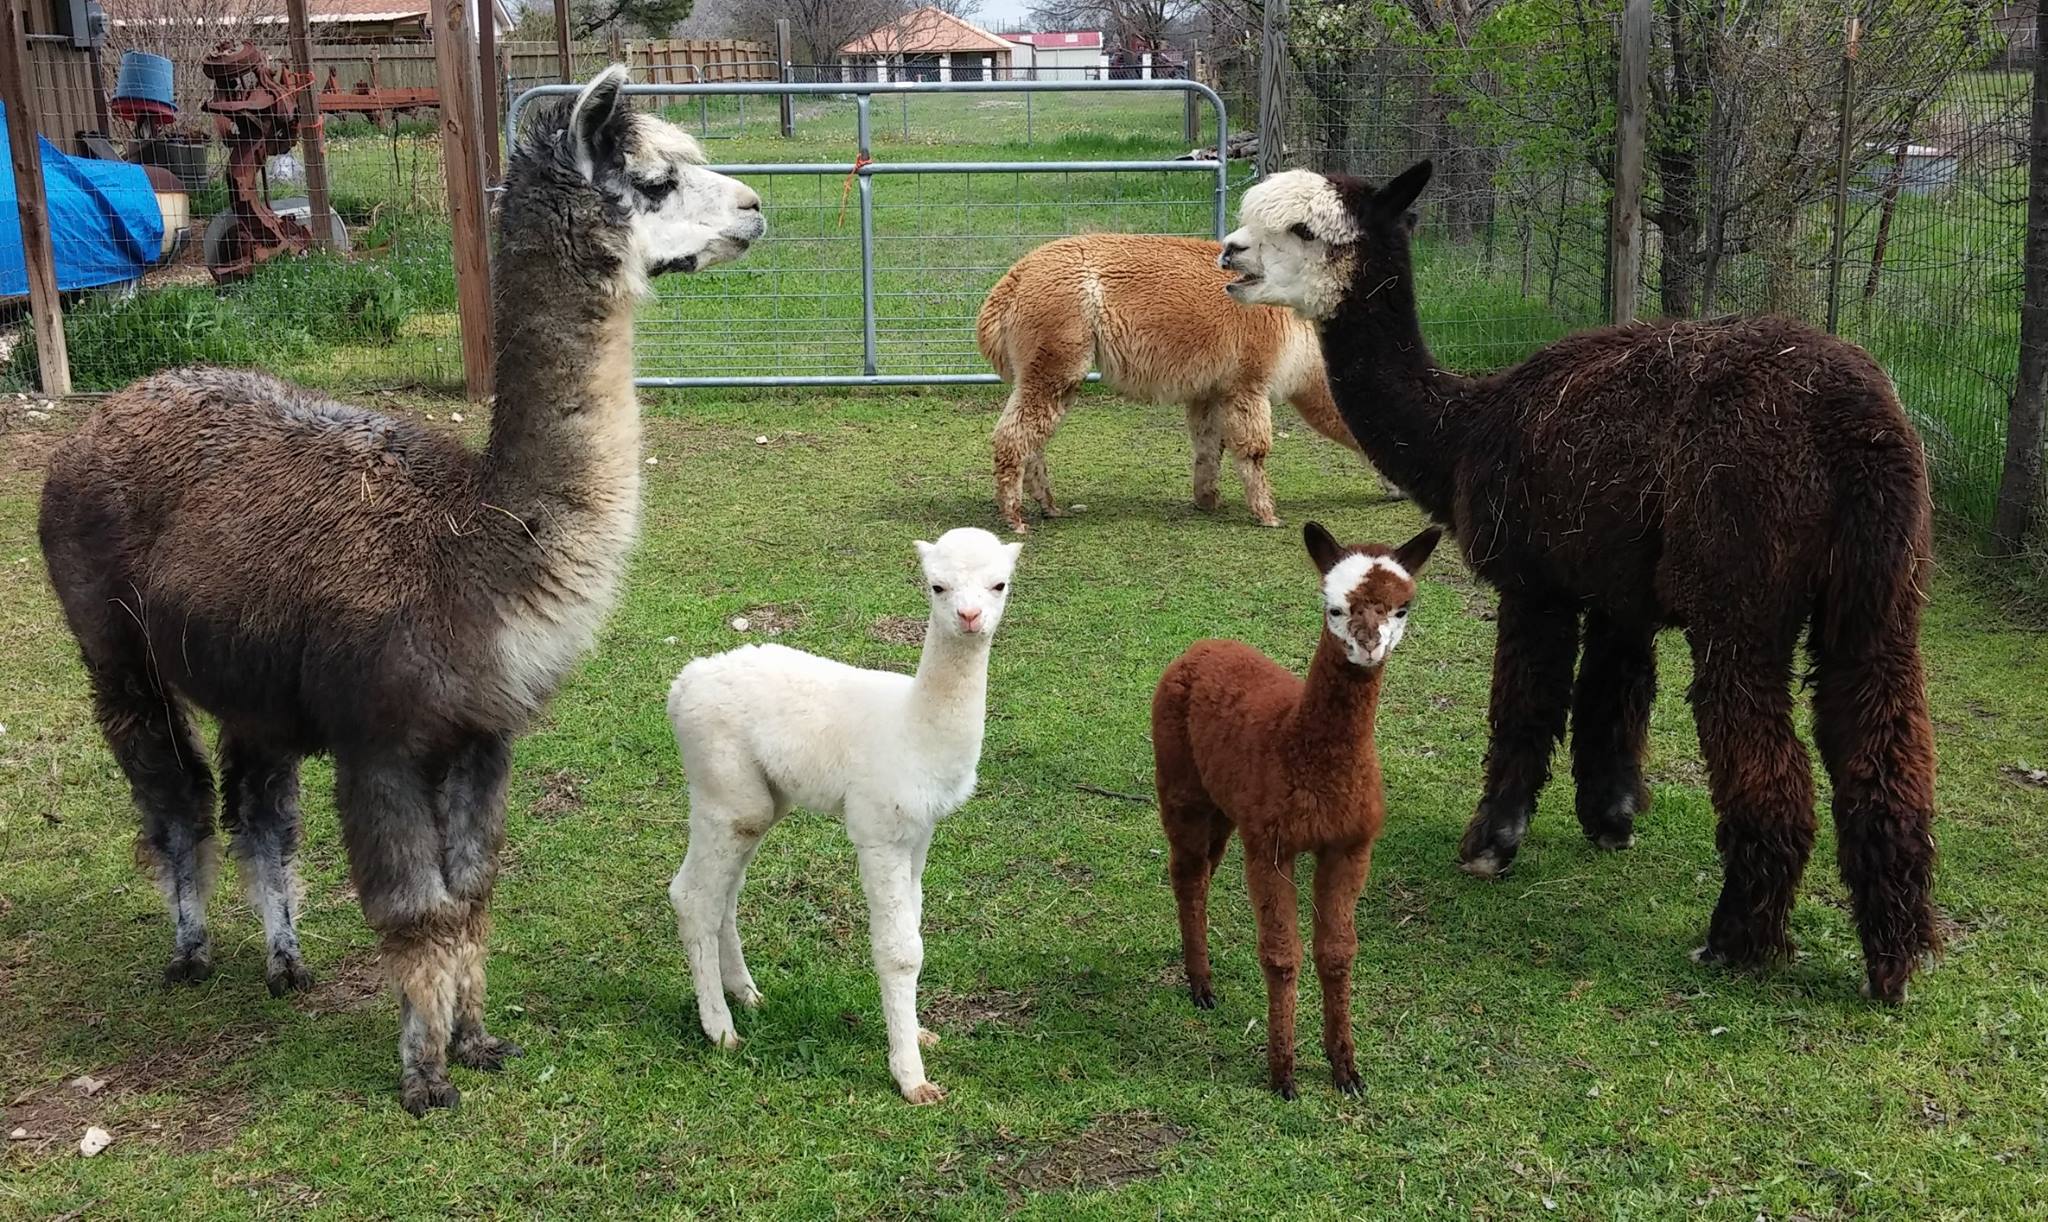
(863, 160)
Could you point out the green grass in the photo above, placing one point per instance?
(1542, 1038)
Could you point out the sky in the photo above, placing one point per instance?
(1002, 12)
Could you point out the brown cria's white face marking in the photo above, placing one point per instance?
(1367, 592)
(1294, 246)
(679, 216)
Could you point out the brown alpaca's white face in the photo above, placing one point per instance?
(678, 215)
(1294, 245)
(1367, 592)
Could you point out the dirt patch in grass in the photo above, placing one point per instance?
(1117, 1149)
(50, 1118)
(967, 1011)
(26, 450)
(561, 794)
(774, 620)
(355, 983)
(898, 630)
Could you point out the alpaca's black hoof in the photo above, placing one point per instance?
(1610, 821)
(420, 1095)
(1491, 840)
(1284, 1087)
(287, 975)
(1347, 1081)
(1204, 996)
(189, 967)
(486, 1052)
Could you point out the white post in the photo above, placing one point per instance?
(945, 65)
(985, 73)
(1145, 66)
(1102, 65)
(881, 69)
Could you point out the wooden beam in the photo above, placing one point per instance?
(567, 61)
(455, 64)
(1625, 218)
(312, 130)
(489, 76)
(1272, 91)
(23, 125)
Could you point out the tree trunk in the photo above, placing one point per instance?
(1681, 136)
(2019, 490)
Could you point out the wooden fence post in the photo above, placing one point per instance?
(783, 73)
(455, 61)
(23, 127)
(2020, 491)
(568, 63)
(1625, 217)
(312, 130)
(489, 80)
(1845, 129)
(1272, 91)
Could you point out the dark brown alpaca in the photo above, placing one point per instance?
(1239, 742)
(324, 579)
(1744, 480)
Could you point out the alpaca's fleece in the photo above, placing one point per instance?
(764, 728)
(1150, 313)
(1754, 482)
(1240, 744)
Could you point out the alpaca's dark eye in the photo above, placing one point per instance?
(1000, 586)
(1401, 613)
(938, 589)
(657, 191)
(1301, 231)
(1335, 612)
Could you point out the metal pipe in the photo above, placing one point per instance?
(877, 168)
(866, 188)
(869, 88)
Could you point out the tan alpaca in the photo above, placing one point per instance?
(1151, 313)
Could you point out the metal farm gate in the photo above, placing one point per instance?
(873, 271)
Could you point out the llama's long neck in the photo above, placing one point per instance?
(560, 480)
(1339, 704)
(565, 430)
(949, 695)
(1403, 409)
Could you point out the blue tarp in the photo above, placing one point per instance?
(105, 225)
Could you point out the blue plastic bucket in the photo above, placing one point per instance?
(144, 77)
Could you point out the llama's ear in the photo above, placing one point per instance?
(1323, 547)
(1414, 553)
(598, 124)
(1393, 200)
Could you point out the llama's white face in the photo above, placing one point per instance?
(967, 577)
(1367, 592)
(1294, 245)
(679, 216)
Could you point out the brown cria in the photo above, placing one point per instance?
(1745, 480)
(1149, 312)
(1239, 742)
(321, 578)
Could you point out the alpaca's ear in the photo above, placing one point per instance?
(1014, 550)
(924, 550)
(1323, 547)
(1394, 199)
(1415, 552)
(598, 124)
